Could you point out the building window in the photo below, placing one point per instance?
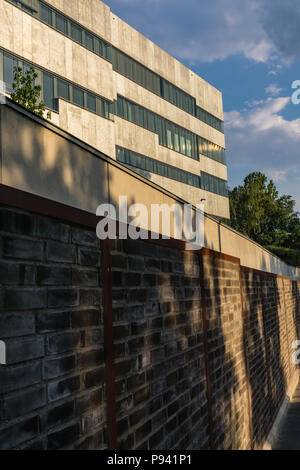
(151, 165)
(213, 184)
(78, 96)
(76, 33)
(61, 23)
(63, 89)
(91, 102)
(51, 82)
(48, 90)
(169, 134)
(46, 14)
(89, 41)
(9, 63)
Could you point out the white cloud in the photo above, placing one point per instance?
(260, 30)
(273, 90)
(261, 139)
(265, 117)
(192, 31)
(279, 176)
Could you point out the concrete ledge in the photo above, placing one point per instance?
(273, 434)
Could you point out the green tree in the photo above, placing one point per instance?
(26, 93)
(258, 212)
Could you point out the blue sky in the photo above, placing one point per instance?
(250, 50)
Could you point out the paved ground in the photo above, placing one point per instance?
(289, 435)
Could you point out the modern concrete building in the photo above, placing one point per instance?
(113, 88)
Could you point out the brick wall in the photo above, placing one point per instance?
(160, 367)
(226, 353)
(202, 346)
(52, 392)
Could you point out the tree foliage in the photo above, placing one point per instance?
(259, 212)
(26, 92)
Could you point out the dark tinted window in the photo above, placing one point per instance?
(76, 33)
(48, 90)
(46, 14)
(61, 23)
(78, 96)
(9, 63)
(63, 89)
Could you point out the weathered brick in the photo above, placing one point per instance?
(53, 368)
(126, 443)
(56, 415)
(87, 401)
(89, 257)
(53, 276)
(9, 273)
(138, 416)
(122, 368)
(16, 406)
(121, 332)
(84, 237)
(122, 426)
(38, 444)
(14, 435)
(137, 295)
(27, 275)
(85, 277)
(144, 431)
(63, 342)
(90, 297)
(52, 321)
(138, 328)
(23, 299)
(16, 222)
(63, 388)
(159, 419)
(52, 229)
(85, 318)
(95, 377)
(16, 324)
(62, 298)
(60, 439)
(117, 278)
(94, 337)
(133, 279)
(93, 418)
(156, 440)
(23, 248)
(15, 378)
(89, 359)
(142, 395)
(118, 261)
(60, 252)
(136, 381)
(25, 349)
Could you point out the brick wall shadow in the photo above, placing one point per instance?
(266, 349)
(53, 389)
(227, 370)
(160, 368)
